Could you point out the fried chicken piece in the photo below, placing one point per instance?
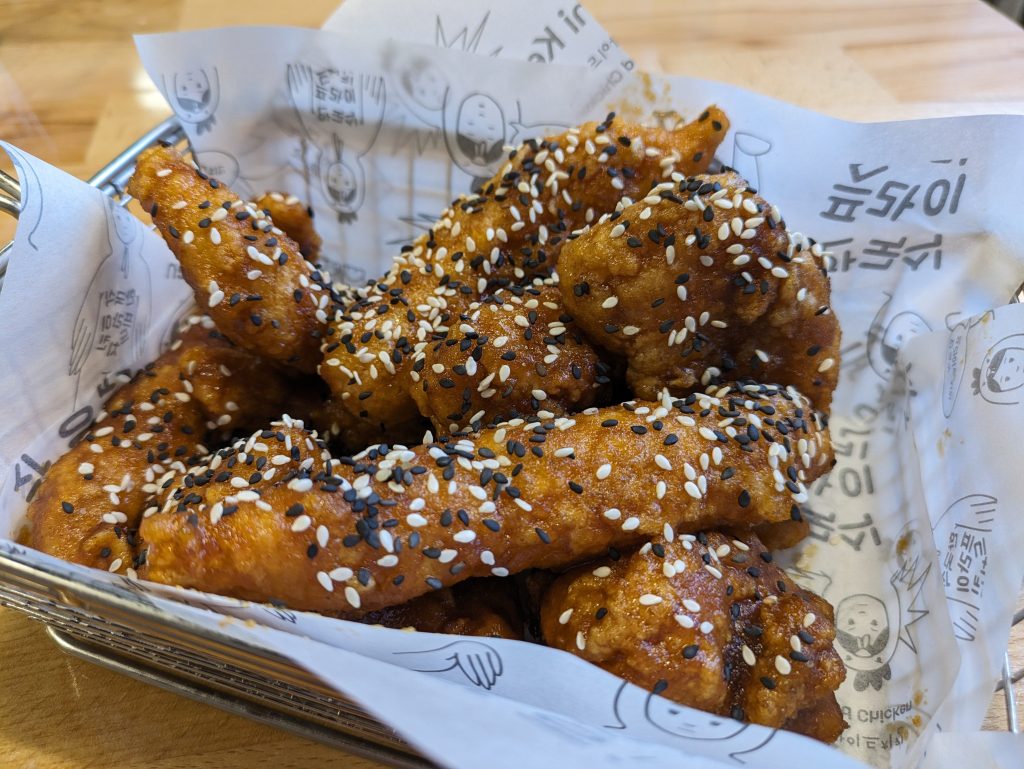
(512, 354)
(259, 290)
(510, 232)
(91, 499)
(708, 621)
(295, 219)
(700, 281)
(476, 607)
(387, 525)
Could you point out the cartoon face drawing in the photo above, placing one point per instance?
(480, 130)
(862, 628)
(675, 719)
(645, 715)
(1001, 373)
(886, 337)
(340, 184)
(425, 84)
(194, 95)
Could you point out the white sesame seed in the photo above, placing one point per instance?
(447, 555)
(662, 461)
(388, 561)
(782, 665)
(748, 656)
(301, 523)
(612, 514)
(630, 524)
(415, 520)
(809, 619)
(115, 564)
(464, 536)
(163, 172)
(691, 605)
(825, 365)
(565, 451)
(86, 468)
(707, 433)
(604, 471)
(692, 490)
(685, 621)
(602, 571)
(563, 618)
(499, 571)
(539, 395)
(325, 581)
(581, 641)
(341, 574)
(352, 596)
(649, 599)
(794, 643)
(610, 302)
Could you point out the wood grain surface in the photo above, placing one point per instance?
(73, 92)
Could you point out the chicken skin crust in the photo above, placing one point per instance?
(700, 282)
(295, 219)
(709, 621)
(91, 500)
(508, 233)
(513, 354)
(245, 272)
(487, 608)
(380, 528)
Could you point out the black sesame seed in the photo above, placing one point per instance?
(689, 652)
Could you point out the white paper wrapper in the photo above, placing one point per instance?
(915, 540)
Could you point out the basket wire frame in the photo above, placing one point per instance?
(196, 662)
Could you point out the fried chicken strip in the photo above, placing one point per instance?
(259, 290)
(700, 281)
(708, 621)
(92, 498)
(478, 607)
(511, 231)
(512, 354)
(383, 527)
(295, 219)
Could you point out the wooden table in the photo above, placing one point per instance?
(73, 92)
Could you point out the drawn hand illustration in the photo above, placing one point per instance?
(642, 713)
(341, 114)
(746, 157)
(194, 96)
(478, 662)
(31, 204)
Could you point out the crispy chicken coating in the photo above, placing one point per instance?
(709, 621)
(477, 607)
(92, 498)
(295, 219)
(701, 282)
(512, 354)
(387, 525)
(250, 277)
(510, 232)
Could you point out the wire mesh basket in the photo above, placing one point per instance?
(202, 664)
